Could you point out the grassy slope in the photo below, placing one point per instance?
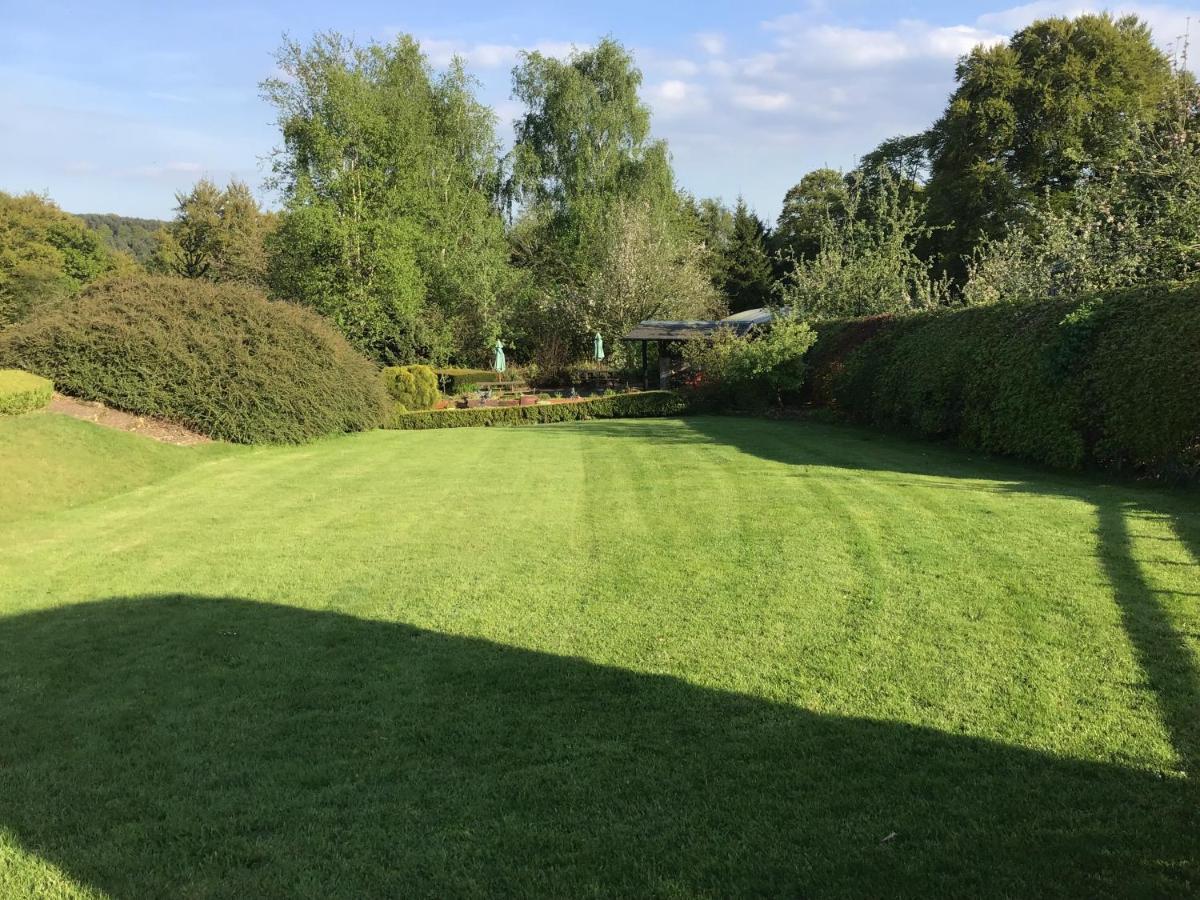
(52, 462)
(658, 658)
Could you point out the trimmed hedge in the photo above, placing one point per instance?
(412, 387)
(645, 404)
(220, 359)
(22, 392)
(1110, 381)
(460, 381)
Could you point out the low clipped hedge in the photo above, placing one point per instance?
(1110, 381)
(220, 359)
(645, 404)
(460, 381)
(22, 392)
(412, 387)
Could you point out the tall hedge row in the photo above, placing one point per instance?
(221, 359)
(1111, 381)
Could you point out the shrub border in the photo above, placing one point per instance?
(644, 404)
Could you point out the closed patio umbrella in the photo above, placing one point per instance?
(499, 364)
(598, 347)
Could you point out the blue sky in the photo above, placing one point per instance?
(112, 107)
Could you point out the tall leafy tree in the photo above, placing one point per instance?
(821, 195)
(746, 276)
(867, 262)
(217, 234)
(46, 256)
(1126, 224)
(390, 176)
(585, 168)
(1034, 116)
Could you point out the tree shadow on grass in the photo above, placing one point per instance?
(183, 746)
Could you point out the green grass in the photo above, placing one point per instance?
(22, 392)
(653, 658)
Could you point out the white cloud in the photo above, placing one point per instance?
(491, 56)
(836, 46)
(672, 91)
(711, 42)
(675, 99)
(165, 170)
(761, 101)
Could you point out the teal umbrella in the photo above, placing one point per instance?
(598, 347)
(499, 365)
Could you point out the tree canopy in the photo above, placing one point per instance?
(1035, 115)
(598, 206)
(390, 178)
(46, 256)
(217, 235)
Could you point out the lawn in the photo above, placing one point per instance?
(706, 656)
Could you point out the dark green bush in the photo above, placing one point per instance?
(622, 406)
(1109, 381)
(412, 387)
(22, 392)
(221, 359)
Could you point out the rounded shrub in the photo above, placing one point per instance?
(221, 359)
(412, 387)
(22, 392)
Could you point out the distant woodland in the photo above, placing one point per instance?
(126, 234)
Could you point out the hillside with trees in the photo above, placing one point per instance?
(126, 234)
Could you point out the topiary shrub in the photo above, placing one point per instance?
(22, 392)
(643, 404)
(221, 359)
(1108, 381)
(412, 387)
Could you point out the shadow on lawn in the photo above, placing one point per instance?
(1161, 651)
(167, 746)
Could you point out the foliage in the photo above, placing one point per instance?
(390, 178)
(1126, 224)
(220, 359)
(745, 372)
(714, 228)
(457, 380)
(821, 197)
(46, 256)
(603, 238)
(1108, 381)
(412, 387)
(218, 235)
(745, 269)
(617, 406)
(867, 262)
(22, 392)
(1035, 115)
(126, 234)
